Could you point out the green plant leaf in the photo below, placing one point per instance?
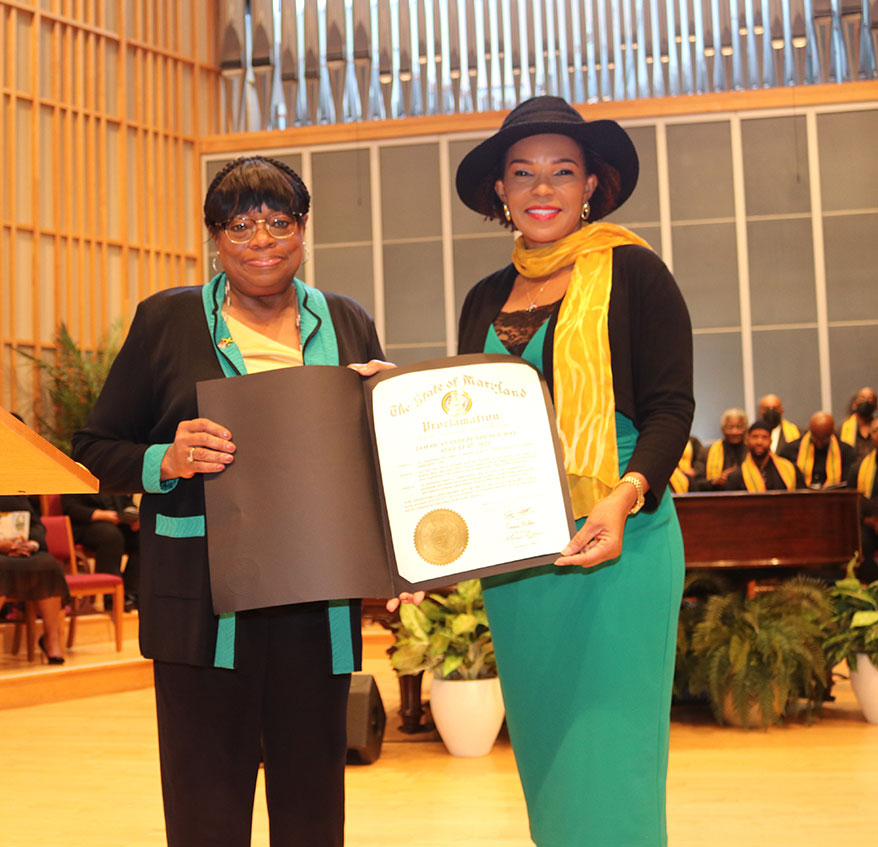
(450, 665)
(408, 659)
(463, 624)
(415, 620)
(864, 618)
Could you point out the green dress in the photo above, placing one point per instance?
(586, 662)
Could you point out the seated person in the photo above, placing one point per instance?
(862, 476)
(761, 469)
(689, 468)
(107, 524)
(29, 572)
(782, 430)
(821, 457)
(726, 454)
(856, 429)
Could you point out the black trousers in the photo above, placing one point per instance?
(211, 722)
(109, 541)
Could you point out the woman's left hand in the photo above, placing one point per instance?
(600, 538)
(371, 367)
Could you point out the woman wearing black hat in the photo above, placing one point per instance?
(586, 653)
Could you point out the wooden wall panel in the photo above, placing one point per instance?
(101, 103)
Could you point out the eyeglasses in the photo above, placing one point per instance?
(240, 230)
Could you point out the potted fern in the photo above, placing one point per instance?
(448, 635)
(698, 587)
(75, 378)
(856, 639)
(755, 656)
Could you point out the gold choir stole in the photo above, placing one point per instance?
(849, 431)
(753, 476)
(805, 460)
(790, 430)
(714, 460)
(680, 477)
(866, 475)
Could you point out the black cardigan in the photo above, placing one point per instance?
(650, 349)
(150, 389)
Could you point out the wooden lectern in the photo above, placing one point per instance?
(30, 465)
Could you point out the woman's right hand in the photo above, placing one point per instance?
(200, 446)
(394, 602)
(19, 548)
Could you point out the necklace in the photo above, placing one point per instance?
(533, 300)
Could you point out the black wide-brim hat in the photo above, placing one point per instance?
(482, 166)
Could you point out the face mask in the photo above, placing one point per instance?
(866, 409)
(771, 417)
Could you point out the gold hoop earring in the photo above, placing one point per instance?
(215, 267)
(306, 253)
(586, 209)
(506, 213)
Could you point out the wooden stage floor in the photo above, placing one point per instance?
(84, 773)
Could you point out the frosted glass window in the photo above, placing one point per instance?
(410, 191)
(775, 165)
(700, 171)
(706, 269)
(785, 362)
(341, 197)
(851, 244)
(345, 270)
(718, 381)
(848, 165)
(413, 293)
(781, 272)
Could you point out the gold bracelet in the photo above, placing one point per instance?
(638, 487)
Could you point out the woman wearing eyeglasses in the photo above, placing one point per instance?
(278, 676)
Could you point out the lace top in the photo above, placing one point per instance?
(515, 329)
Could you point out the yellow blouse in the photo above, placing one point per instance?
(261, 353)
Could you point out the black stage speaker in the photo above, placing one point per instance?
(366, 720)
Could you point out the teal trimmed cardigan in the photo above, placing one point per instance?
(178, 337)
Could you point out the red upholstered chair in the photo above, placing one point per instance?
(59, 539)
(29, 625)
(50, 504)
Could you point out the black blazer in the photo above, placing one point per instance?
(150, 389)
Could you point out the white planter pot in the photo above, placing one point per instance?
(864, 681)
(468, 714)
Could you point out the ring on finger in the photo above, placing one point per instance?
(191, 456)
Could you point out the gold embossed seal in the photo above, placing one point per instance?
(441, 536)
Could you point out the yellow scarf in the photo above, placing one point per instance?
(790, 430)
(680, 477)
(753, 476)
(715, 459)
(849, 431)
(805, 460)
(866, 474)
(584, 401)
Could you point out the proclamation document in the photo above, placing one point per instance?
(417, 477)
(469, 468)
